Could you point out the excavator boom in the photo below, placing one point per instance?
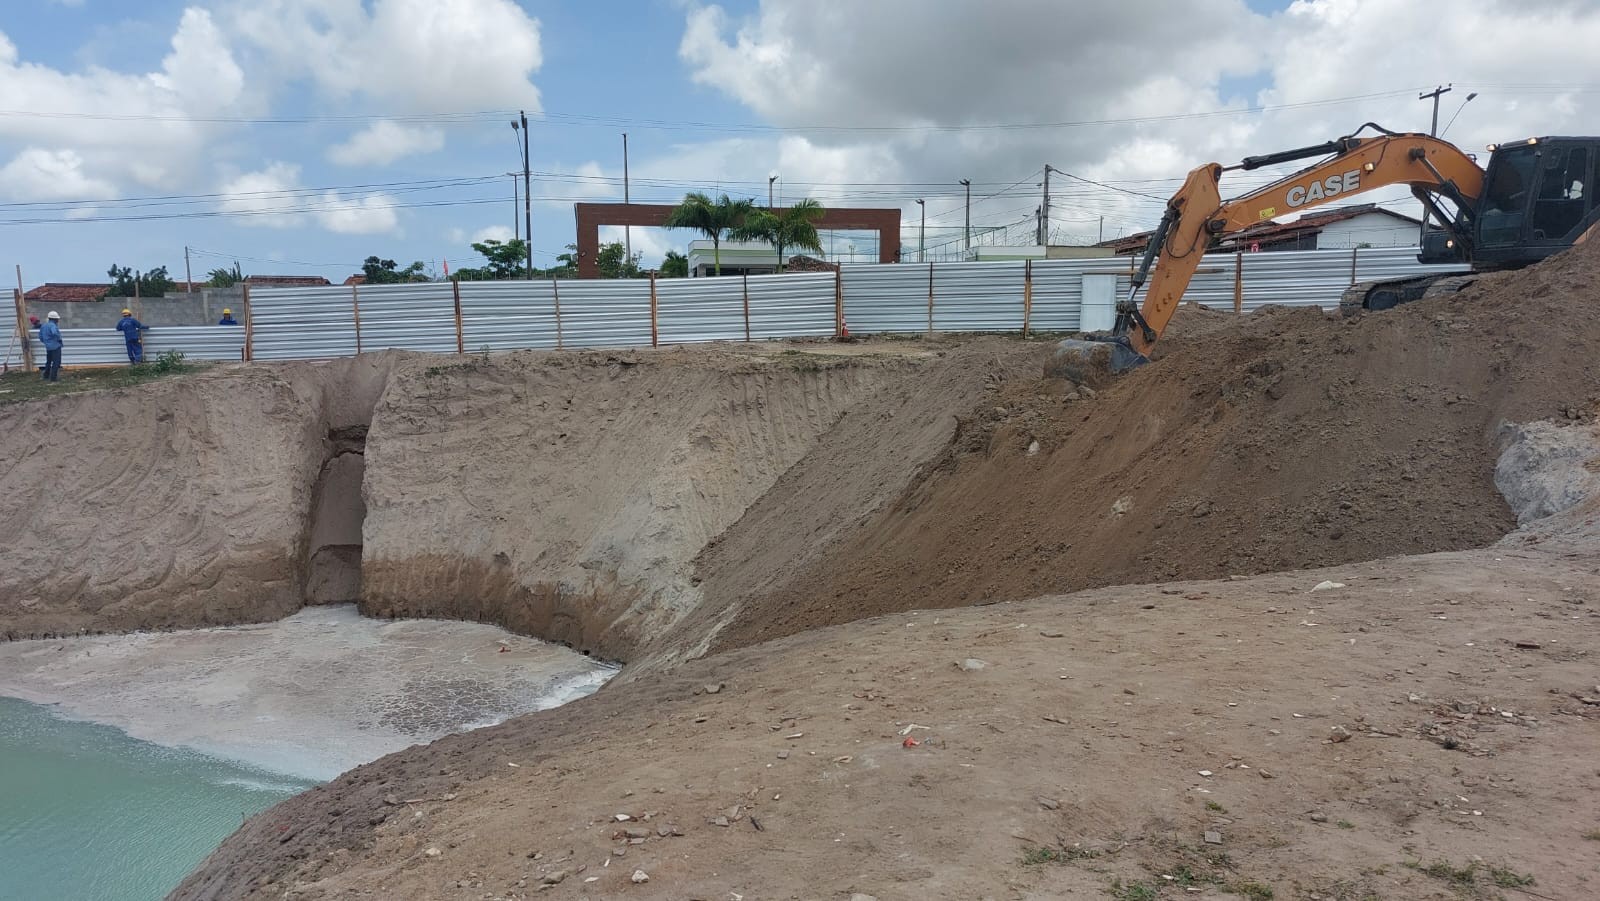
(1196, 216)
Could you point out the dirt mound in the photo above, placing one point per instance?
(1291, 439)
(566, 496)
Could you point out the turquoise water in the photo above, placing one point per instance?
(86, 812)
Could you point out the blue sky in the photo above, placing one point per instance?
(106, 102)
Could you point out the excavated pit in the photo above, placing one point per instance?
(337, 513)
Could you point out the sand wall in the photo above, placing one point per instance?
(566, 497)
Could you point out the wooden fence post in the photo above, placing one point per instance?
(747, 307)
(655, 334)
(1027, 295)
(461, 338)
(1353, 252)
(555, 289)
(249, 328)
(930, 300)
(22, 329)
(1238, 281)
(838, 301)
(355, 307)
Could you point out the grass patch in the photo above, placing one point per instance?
(1214, 806)
(1134, 891)
(1592, 835)
(1254, 891)
(1346, 824)
(1508, 878)
(1034, 857)
(19, 386)
(1467, 876)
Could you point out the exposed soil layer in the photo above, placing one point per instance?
(1289, 438)
(177, 503)
(565, 496)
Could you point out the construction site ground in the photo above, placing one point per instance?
(1307, 608)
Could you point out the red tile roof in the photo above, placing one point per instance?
(356, 280)
(66, 292)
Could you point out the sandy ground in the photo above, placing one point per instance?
(1063, 745)
(309, 696)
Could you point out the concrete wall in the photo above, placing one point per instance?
(200, 308)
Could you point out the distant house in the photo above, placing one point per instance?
(355, 280)
(1341, 228)
(66, 292)
(286, 281)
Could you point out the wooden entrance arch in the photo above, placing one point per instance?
(593, 215)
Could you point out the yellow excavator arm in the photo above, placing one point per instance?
(1196, 216)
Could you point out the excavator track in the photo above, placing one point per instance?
(1384, 295)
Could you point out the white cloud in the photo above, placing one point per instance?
(383, 142)
(409, 55)
(77, 115)
(273, 198)
(865, 68)
(73, 3)
(37, 174)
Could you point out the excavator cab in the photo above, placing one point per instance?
(1539, 196)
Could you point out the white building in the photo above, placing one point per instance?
(738, 258)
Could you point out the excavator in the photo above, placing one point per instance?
(1535, 199)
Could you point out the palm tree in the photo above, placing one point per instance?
(710, 218)
(791, 227)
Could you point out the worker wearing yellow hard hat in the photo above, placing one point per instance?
(227, 317)
(132, 336)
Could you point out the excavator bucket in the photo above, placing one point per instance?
(1093, 360)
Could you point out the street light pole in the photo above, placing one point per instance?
(922, 232)
(516, 203)
(770, 180)
(527, 188)
(966, 229)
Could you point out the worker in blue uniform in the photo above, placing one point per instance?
(227, 317)
(130, 329)
(50, 337)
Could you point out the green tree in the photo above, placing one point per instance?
(503, 260)
(387, 272)
(675, 265)
(225, 278)
(127, 283)
(795, 226)
(615, 263)
(710, 218)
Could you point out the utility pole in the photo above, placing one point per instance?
(527, 188)
(188, 274)
(627, 230)
(1101, 239)
(1044, 210)
(516, 206)
(966, 228)
(770, 180)
(922, 232)
(1436, 93)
